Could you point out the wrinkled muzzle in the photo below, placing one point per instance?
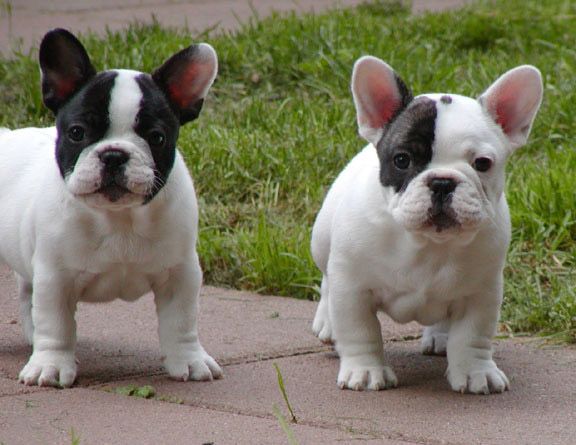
(112, 175)
(441, 202)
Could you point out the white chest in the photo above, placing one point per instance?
(424, 292)
(123, 264)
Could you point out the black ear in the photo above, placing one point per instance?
(185, 79)
(65, 67)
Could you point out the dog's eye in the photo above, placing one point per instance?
(402, 161)
(482, 164)
(156, 138)
(76, 133)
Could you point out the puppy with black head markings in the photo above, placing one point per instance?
(102, 206)
(417, 225)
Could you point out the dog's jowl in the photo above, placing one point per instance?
(102, 206)
(417, 225)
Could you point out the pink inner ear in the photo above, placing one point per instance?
(384, 102)
(182, 89)
(64, 87)
(505, 112)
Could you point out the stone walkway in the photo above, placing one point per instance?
(28, 20)
(248, 334)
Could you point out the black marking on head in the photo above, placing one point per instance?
(446, 99)
(412, 134)
(156, 117)
(87, 109)
(405, 94)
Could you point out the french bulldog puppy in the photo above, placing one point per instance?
(102, 206)
(417, 225)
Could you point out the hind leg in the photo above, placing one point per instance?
(25, 296)
(435, 338)
(322, 327)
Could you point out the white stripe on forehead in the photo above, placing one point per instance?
(125, 99)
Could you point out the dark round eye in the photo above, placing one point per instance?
(156, 138)
(402, 161)
(482, 164)
(76, 133)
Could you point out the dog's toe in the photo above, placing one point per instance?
(200, 371)
(29, 375)
(49, 376)
(214, 367)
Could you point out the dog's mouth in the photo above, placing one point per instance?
(113, 192)
(113, 184)
(441, 216)
(442, 222)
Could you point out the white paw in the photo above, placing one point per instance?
(434, 343)
(49, 368)
(321, 326)
(481, 377)
(195, 365)
(360, 377)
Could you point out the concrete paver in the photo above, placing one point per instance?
(96, 417)
(540, 407)
(9, 386)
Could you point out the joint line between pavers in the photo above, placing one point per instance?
(242, 360)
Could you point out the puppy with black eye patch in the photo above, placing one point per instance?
(102, 206)
(417, 225)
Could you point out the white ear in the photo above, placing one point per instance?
(513, 101)
(379, 95)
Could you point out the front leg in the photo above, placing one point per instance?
(470, 364)
(25, 296)
(356, 331)
(52, 362)
(177, 309)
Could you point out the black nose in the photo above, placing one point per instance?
(113, 158)
(442, 186)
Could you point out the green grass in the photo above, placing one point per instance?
(282, 389)
(280, 124)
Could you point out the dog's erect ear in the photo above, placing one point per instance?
(379, 95)
(65, 67)
(186, 78)
(513, 101)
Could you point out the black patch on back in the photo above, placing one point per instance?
(156, 114)
(89, 109)
(411, 133)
